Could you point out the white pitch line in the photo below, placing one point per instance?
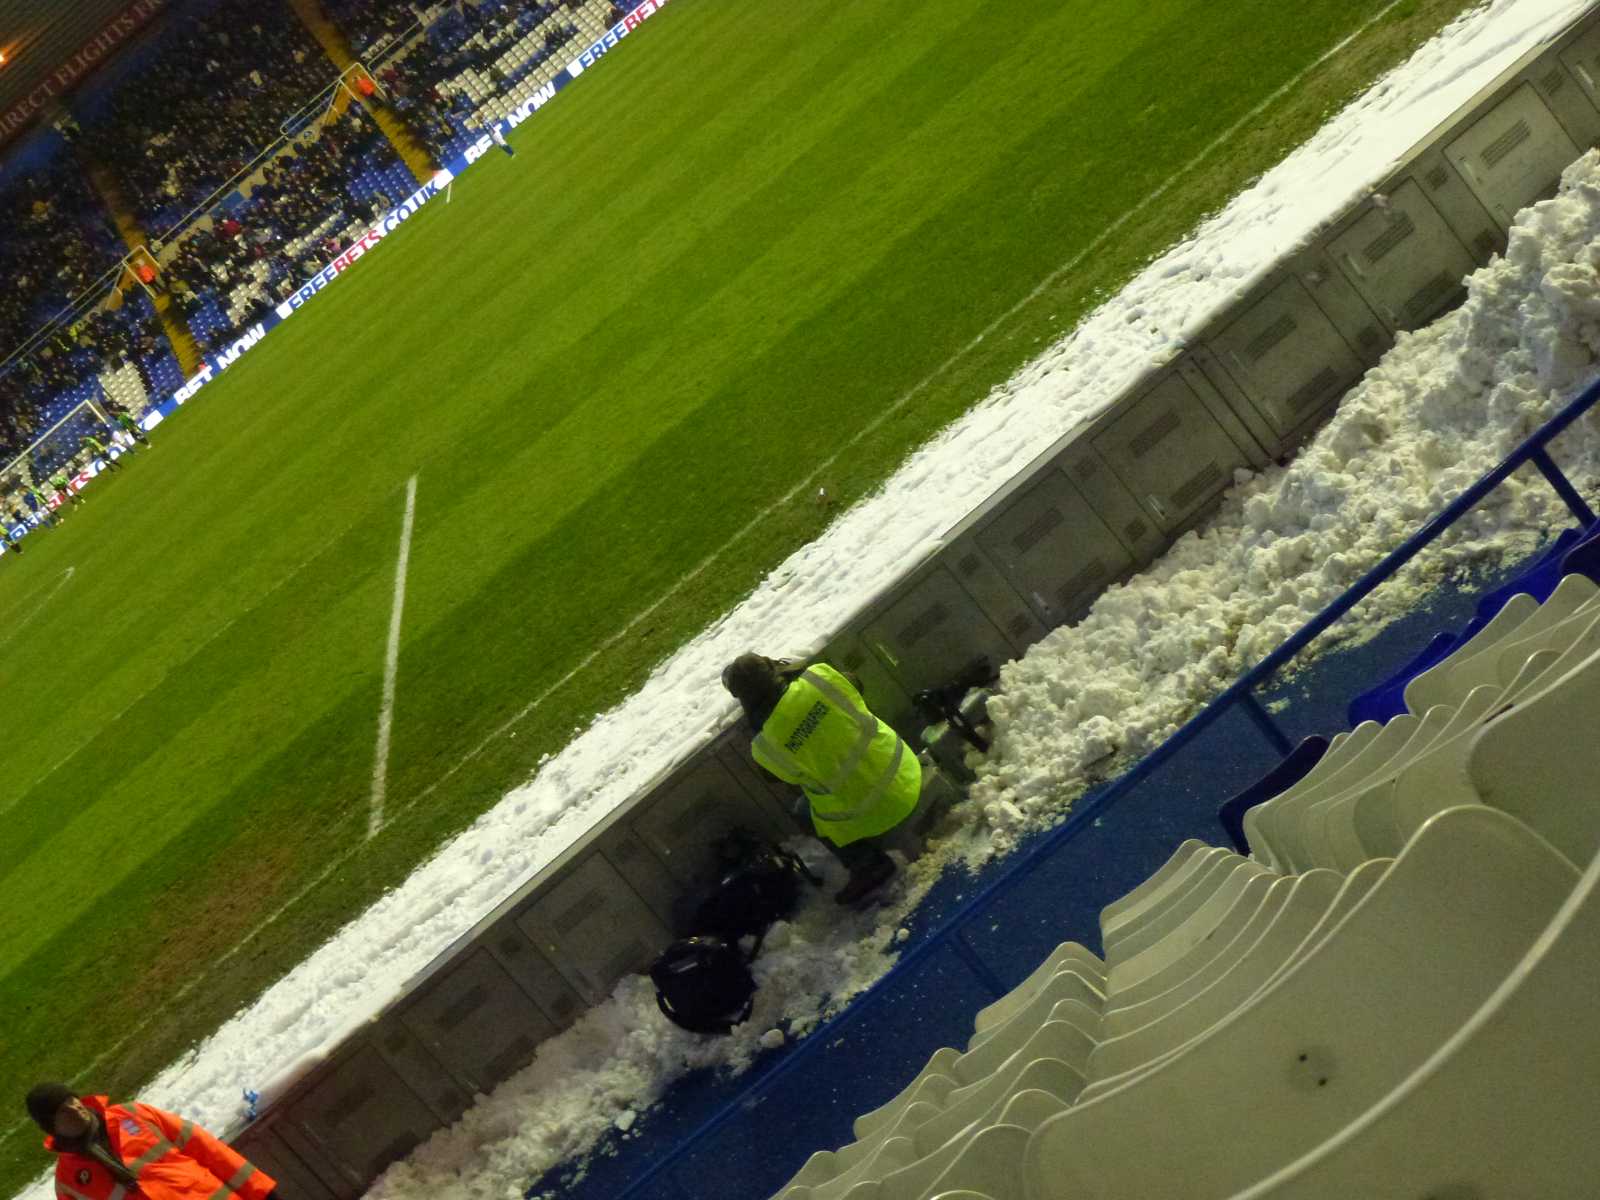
(38, 608)
(317, 881)
(391, 664)
(905, 398)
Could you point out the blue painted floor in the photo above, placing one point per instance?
(803, 1097)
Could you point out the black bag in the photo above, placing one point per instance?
(759, 884)
(704, 985)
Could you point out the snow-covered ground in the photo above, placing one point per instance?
(1443, 405)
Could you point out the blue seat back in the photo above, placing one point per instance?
(1539, 580)
(1388, 698)
(1295, 767)
(1584, 558)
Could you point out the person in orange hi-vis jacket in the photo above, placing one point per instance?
(107, 1151)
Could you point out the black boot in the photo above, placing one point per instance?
(866, 877)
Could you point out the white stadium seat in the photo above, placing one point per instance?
(1284, 818)
(1503, 1108)
(991, 1158)
(1572, 655)
(1377, 819)
(1362, 826)
(1573, 598)
(1262, 896)
(1185, 859)
(1539, 760)
(1136, 1007)
(1390, 996)
(934, 1146)
(1385, 988)
(1509, 659)
(1180, 861)
(1174, 1022)
(1515, 756)
(1084, 962)
(1160, 941)
(1066, 987)
(1328, 768)
(1437, 780)
(948, 1070)
(1433, 685)
(926, 1126)
(1181, 902)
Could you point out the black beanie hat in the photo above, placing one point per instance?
(45, 1100)
(748, 675)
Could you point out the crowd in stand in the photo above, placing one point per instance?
(370, 25)
(124, 331)
(173, 136)
(468, 37)
(213, 98)
(299, 192)
(55, 239)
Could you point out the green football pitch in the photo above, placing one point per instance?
(713, 264)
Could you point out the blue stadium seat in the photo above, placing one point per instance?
(1387, 699)
(1539, 580)
(1572, 550)
(1295, 766)
(1584, 557)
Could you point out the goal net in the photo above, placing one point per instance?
(59, 452)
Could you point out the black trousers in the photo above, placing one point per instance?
(858, 855)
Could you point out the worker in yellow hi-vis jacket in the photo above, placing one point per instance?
(813, 729)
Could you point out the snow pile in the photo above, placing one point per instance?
(1442, 408)
(626, 1055)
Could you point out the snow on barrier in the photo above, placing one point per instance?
(1105, 500)
(962, 957)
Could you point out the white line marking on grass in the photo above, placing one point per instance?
(391, 664)
(916, 390)
(321, 877)
(38, 608)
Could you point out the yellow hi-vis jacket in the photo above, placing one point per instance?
(861, 779)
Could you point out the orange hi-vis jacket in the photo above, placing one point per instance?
(171, 1158)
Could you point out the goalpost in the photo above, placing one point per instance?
(58, 449)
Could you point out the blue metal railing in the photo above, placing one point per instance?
(948, 935)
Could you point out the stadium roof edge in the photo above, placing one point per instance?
(50, 48)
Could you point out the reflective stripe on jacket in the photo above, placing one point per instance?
(861, 779)
(171, 1158)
